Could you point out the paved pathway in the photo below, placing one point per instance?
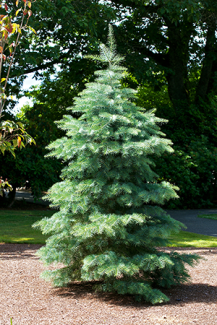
(188, 217)
(195, 224)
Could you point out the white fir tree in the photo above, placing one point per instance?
(109, 221)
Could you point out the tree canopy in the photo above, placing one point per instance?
(170, 52)
(165, 42)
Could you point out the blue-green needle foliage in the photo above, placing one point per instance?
(109, 224)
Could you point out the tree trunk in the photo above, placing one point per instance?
(206, 72)
(178, 56)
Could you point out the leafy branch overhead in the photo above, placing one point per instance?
(12, 135)
(8, 29)
(4, 185)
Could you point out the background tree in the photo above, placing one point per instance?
(63, 33)
(52, 45)
(109, 221)
(165, 43)
(160, 38)
(170, 51)
(50, 101)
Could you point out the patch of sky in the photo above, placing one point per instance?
(28, 83)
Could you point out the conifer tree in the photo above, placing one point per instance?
(109, 219)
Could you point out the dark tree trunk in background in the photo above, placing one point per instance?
(208, 64)
(177, 63)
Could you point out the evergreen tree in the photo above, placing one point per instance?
(109, 222)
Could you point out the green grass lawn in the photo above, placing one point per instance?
(189, 239)
(16, 227)
(208, 216)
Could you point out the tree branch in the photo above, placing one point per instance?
(42, 66)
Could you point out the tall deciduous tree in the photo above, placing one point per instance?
(169, 44)
(109, 220)
(178, 38)
(169, 47)
(175, 40)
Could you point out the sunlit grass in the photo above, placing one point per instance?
(208, 216)
(16, 226)
(189, 239)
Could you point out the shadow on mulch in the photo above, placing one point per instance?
(179, 295)
(191, 250)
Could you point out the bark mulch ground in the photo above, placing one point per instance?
(29, 300)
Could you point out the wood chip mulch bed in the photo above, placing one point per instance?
(29, 300)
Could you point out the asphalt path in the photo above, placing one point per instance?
(194, 224)
(188, 217)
